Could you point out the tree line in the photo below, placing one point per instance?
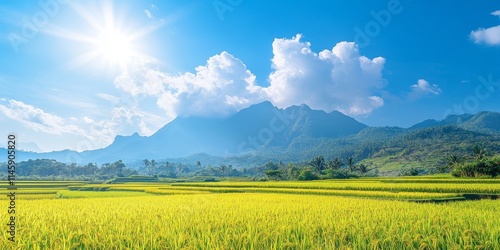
(48, 169)
(316, 168)
(479, 163)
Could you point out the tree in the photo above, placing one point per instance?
(453, 160)
(318, 163)
(145, 165)
(478, 152)
(487, 166)
(292, 171)
(273, 174)
(363, 168)
(152, 167)
(223, 169)
(336, 163)
(271, 166)
(409, 172)
(229, 170)
(306, 175)
(350, 164)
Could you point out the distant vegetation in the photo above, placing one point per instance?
(46, 169)
(316, 168)
(478, 164)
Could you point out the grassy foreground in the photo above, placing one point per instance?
(268, 216)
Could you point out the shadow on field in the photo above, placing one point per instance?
(464, 197)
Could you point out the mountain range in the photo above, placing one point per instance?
(263, 132)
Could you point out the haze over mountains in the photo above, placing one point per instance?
(265, 132)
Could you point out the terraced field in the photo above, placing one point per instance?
(373, 213)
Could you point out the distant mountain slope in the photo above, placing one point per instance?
(264, 133)
(452, 119)
(428, 148)
(257, 127)
(483, 122)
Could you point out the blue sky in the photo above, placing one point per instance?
(75, 75)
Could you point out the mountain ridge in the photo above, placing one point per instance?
(294, 134)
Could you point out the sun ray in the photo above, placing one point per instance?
(107, 36)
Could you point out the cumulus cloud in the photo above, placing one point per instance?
(423, 88)
(222, 86)
(488, 36)
(338, 79)
(37, 119)
(124, 120)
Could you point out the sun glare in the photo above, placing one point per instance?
(114, 47)
(106, 38)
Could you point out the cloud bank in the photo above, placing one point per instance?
(337, 79)
(221, 87)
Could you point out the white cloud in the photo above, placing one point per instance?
(423, 88)
(221, 87)
(36, 119)
(489, 36)
(338, 79)
(124, 120)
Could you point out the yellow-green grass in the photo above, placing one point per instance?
(29, 194)
(253, 221)
(160, 190)
(31, 191)
(489, 188)
(436, 181)
(96, 194)
(40, 184)
(355, 193)
(35, 189)
(374, 187)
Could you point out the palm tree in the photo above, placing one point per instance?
(336, 163)
(223, 169)
(453, 160)
(146, 163)
(318, 162)
(350, 164)
(152, 167)
(479, 153)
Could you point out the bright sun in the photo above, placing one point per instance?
(107, 40)
(114, 47)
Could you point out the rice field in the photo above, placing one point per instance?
(338, 214)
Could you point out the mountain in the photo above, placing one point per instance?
(260, 125)
(449, 120)
(257, 127)
(488, 122)
(263, 132)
